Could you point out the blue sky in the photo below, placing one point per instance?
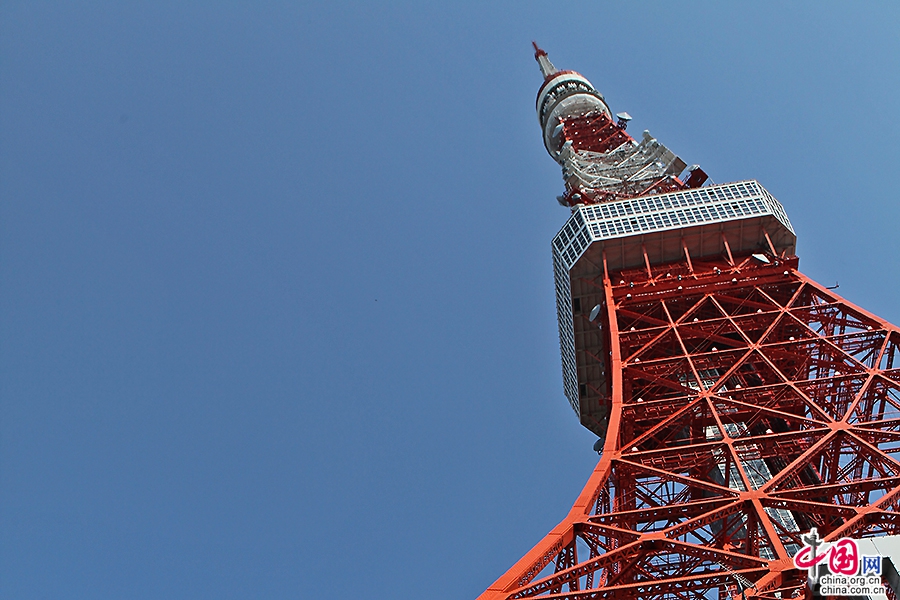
(276, 299)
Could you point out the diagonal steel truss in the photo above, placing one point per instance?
(748, 404)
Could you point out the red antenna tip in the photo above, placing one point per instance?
(537, 50)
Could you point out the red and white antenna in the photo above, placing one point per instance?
(547, 68)
(599, 160)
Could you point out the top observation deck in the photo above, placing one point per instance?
(644, 233)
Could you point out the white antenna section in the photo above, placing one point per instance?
(547, 68)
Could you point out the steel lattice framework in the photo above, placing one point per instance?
(748, 405)
(739, 403)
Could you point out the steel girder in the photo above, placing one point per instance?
(748, 405)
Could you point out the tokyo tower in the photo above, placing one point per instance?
(738, 403)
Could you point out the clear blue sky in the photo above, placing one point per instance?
(276, 298)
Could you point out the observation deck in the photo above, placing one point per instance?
(731, 219)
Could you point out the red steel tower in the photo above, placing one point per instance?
(739, 404)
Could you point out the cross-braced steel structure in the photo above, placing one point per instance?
(739, 403)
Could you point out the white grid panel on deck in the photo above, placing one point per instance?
(675, 210)
(566, 331)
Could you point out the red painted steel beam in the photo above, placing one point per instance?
(676, 505)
